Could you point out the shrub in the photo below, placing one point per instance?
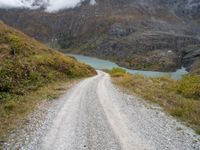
(116, 72)
(9, 106)
(189, 86)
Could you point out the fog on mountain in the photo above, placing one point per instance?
(49, 5)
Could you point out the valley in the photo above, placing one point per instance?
(100, 74)
(147, 35)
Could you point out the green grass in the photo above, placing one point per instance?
(180, 99)
(189, 86)
(26, 66)
(117, 72)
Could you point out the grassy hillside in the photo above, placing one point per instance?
(179, 98)
(27, 66)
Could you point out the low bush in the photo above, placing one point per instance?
(189, 86)
(117, 72)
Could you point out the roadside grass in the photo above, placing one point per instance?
(118, 72)
(29, 71)
(180, 99)
(22, 74)
(15, 108)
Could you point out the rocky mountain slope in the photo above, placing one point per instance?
(140, 34)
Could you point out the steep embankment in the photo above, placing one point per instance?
(26, 63)
(26, 66)
(148, 35)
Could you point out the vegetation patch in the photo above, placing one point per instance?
(27, 66)
(15, 108)
(179, 98)
(189, 86)
(117, 72)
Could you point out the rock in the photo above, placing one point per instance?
(119, 30)
(191, 57)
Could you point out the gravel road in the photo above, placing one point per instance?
(95, 115)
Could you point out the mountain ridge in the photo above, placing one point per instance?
(148, 35)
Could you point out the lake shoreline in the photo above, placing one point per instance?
(101, 64)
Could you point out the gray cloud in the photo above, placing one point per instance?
(11, 3)
(50, 5)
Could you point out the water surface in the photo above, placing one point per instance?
(105, 64)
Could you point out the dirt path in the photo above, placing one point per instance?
(94, 115)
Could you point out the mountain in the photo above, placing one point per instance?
(139, 34)
(26, 64)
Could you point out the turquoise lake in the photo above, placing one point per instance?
(105, 64)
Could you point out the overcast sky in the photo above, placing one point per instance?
(51, 5)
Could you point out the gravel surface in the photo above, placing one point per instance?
(95, 115)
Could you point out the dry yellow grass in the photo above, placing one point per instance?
(13, 113)
(180, 99)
